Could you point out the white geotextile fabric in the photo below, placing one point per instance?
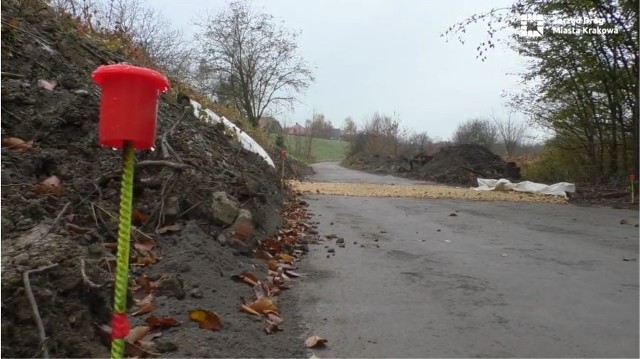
(556, 189)
(246, 141)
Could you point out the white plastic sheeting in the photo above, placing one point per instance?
(246, 141)
(557, 189)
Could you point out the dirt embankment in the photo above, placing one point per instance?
(200, 202)
(453, 165)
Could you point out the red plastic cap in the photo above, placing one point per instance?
(129, 104)
(154, 78)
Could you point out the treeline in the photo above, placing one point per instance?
(583, 87)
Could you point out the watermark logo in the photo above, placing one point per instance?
(535, 25)
(531, 25)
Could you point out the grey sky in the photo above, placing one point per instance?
(386, 56)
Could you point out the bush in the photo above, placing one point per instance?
(280, 142)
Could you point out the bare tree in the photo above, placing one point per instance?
(476, 131)
(135, 24)
(511, 132)
(256, 56)
(349, 129)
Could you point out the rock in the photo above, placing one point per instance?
(172, 207)
(331, 250)
(340, 240)
(172, 287)
(7, 226)
(623, 221)
(21, 259)
(196, 293)
(223, 239)
(341, 245)
(243, 221)
(225, 207)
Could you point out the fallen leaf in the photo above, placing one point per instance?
(47, 84)
(315, 341)
(263, 304)
(16, 143)
(246, 277)
(161, 323)
(452, 215)
(140, 261)
(130, 349)
(271, 326)
(246, 309)
(142, 288)
(145, 244)
(50, 185)
(623, 221)
(110, 245)
(138, 217)
(144, 309)
(206, 319)
(272, 264)
(172, 228)
(293, 274)
(73, 228)
(144, 301)
(137, 333)
(261, 254)
(285, 258)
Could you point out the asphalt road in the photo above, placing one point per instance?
(497, 280)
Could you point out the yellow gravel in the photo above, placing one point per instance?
(418, 191)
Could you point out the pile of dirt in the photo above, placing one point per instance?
(461, 164)
(68, 223)
(454, 165)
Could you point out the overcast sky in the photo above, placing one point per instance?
(386, 56)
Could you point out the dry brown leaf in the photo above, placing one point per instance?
(145, 244)
(130, 350)
(263, 304)
(272, 264)
(140, 261)
(285, 258)
(161, 323)
(315, 341)
(147, 307)
(274, 316)
(270, 326)
(138, 217)
(147, 299)
(171, 228)
(261, 254)
(246, 309)
(291, 273)
(17, 143)
(206, 319)
(50, 185)
(137, 333)
(73, 228)
(246, 277)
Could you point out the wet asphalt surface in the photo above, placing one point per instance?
(497, 280)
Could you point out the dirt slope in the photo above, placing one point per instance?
(77, 223)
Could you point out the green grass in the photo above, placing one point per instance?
(322, 150)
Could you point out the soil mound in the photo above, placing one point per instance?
(461, 164)
(70, 223)
(455, 165)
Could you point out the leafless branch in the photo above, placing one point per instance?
(34, 306)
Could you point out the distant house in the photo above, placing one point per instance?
(296, 130)
(336, 134)
(270, 125)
